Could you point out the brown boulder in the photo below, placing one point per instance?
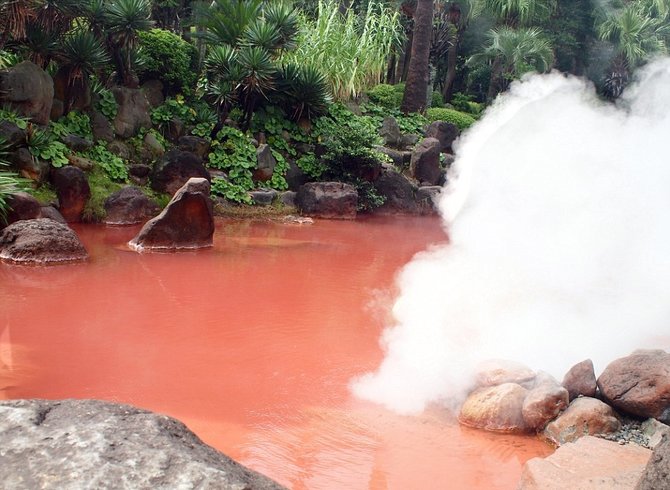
(496, 408)
(129, 206)
(580, 380)
(29, 90)
(639, 384)
(73, 191)
(187, 221)
(40, 241)
(587, 464)
(334, 200)
(443, 131)
(398, 192)
(544, 402)
(584, 416)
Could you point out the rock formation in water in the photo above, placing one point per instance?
(187, 221)
(94, 444)
(40, 241)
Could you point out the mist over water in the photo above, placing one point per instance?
(558, 211)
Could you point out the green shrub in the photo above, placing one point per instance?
(349, 142)
(168, 58)
(460, 119)
(9, 182)
(43, 145)
(465, 103)
(102, 186)
(436, 99)
(386, 96)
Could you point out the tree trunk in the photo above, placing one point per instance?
(452, 58)
(418, 75)
(405, 57)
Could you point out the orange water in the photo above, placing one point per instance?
(252, 344)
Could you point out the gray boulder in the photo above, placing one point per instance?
(73, 191)
(390, 132)
(639, 384)
(265, 163)
(194, 144)
(425, 163)
(153, 91)
(76, 143)
(77, 444)
(12, 134)
(29, 90)
(656, 474)
(443, 131)
(129, 206)
(398, 192)
(133, 112)
(40, 241)
(332, 200)
(101, 127)
(174, 169)
(187, 222)
(428, 198)
(263, 197)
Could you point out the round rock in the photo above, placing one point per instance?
(40, 241)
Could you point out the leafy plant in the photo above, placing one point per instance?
(72, 123)
(233, 153)
(223, 188)
(106, 102)
(278, 179)
(11, 116)
(460, 119)
(102, 186)
(303, 91)
(311, 166)
(9, 181)
(113, 165)
(44, 146)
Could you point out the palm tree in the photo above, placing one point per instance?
(637, 32)
(418, 75)
(123, 18)
(518, 13)
(248, 37)
(81, 55)
(514, 52)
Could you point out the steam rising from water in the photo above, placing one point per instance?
(558, 211)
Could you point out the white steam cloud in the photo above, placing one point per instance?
(558, 211)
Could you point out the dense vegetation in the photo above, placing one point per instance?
(232, 69)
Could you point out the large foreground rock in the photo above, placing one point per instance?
(29, 90)
(327, 200)
(588, 464)
(40, 241)
(128, 206)
(639, 384)
(584, 416)
(656, 474)
(187, 221)
(77, 444)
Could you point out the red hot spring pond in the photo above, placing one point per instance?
(252, 344)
